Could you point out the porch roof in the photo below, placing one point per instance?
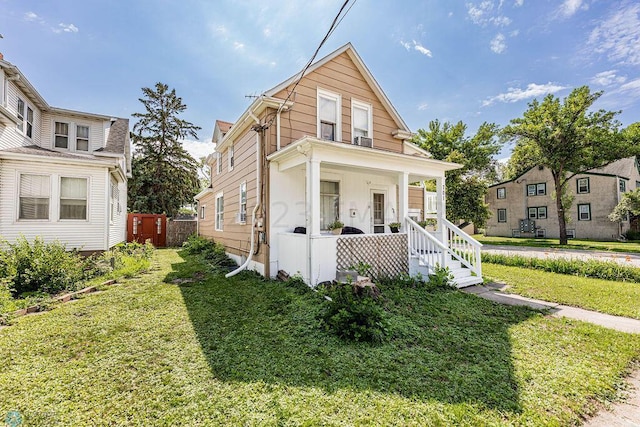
(340, 154)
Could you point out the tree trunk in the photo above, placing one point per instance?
(561, 217)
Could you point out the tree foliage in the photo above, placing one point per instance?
(467, 186)
(630, 204)
(568, 140)
(165, 176)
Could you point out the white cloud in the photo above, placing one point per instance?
(498, 44)
(423, 50)
(423, 106)
(238, 46)
(631, 89)
(267, 32)
(518, 3)
(618, 36)
(533, 90)
(483, 13)
(406, 45)
(198, 149)
(570, 7)
(514, 33)
(607, 78)
(33, 17)
(65, 28)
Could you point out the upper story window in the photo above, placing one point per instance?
(61, 135)
(502, 215)
(20, 113)
(243, 202)
(231, 159)
(82, 138)
(29, 131)
(218, 163)
(584, 212)
(329, 107)
(537, 189)
(623, 185)
(73, 198)
(583, 185)
(219, 222)
(35, 191)
(502, 193)
(361, 120)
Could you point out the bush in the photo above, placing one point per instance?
(355, 313)
(632, 235)
(41, 267)
(214, 253)
(606, 270)
(441, 278)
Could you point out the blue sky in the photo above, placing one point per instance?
(474, 60)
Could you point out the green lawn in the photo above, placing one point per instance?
(594, 245)
(605, 296)
(244, 351)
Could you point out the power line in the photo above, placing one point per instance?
(336, 21)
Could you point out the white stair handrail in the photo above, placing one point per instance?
(465, 246)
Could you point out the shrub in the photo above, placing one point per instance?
(606, 270)
(355, 313)
(214, 253)
(632, 235)
(40, 266)
(441, 278)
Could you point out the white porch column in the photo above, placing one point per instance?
(403, 196)
(313, 197)
(441, 207)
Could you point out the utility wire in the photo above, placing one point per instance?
(336, 21)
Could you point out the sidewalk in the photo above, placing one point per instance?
(623, 414)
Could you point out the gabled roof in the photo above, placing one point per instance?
(349, 50)
(118, 137)
(223, 126)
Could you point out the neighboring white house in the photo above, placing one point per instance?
(63, 173)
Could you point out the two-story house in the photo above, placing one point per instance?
(526, 207)
(63, 173)
(327, 146)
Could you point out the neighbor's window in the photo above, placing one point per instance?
(82, 138)
(584, 212)
(361, 120)
(533, 213)
(502, 215)
(73, 198)
(329, 203)
(537, 189)
(34, 196)
(502, 193)
(115, 200)
(539, 212)
(61, 135)
(202, 211)
(583, 185)
(218, 163)
(20, 113)
(29, 122)
(243, 202)
(219, 212)
(328, 116)
(231, 159)
(623, 185)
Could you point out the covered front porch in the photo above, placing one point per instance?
(315, 182)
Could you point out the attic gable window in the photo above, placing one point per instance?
(361, 120)
(82, 138)
(329, 107)
(29, 132)
(20, 113)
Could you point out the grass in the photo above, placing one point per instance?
(244, 351)
(593, 245)
(605, 296)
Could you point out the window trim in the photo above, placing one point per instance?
(114, 203)
(29, 123)
(88, 181)
(68, 136)
(588, 205)
(588, 186)
(369, 109)
(622, 185)
(536, 187)
(19, 190)
(230, 157)
(536, 212)
(322, 93)
(504, 191)
(242, 204)
(88, 138)
(336, 181)
(502, 211)
(219, 219)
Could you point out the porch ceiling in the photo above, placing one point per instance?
(339, 155)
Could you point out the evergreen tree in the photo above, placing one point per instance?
(165, 175)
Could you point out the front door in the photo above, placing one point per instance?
(378, 203)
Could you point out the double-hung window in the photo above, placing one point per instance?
(231, 159)
(623, 185)
(539, 212)
(115, 200)
(329, 107)
(502, 215)
(361, 119)
(218, 163)
(243, 202)
(29, 131)
(34, 196)
(61, 136)
(584, 212)
(20, 113)
(73, 198)
(537, 189)
(82, 138)
(502, 193)
(219, 223)
(583, 185)
(329, 203)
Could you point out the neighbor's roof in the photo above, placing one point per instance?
(223, 126)
(118, 137)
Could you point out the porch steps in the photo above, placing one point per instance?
(461, 275)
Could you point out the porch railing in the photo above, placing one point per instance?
(431, 252)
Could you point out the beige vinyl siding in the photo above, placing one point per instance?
(416, 199)
(85, 235)
(340, 76)
(235, 237)
(206, 225)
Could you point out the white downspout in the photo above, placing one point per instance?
(258, 199)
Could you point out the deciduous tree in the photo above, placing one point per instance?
(165, 176)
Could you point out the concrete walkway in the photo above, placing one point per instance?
(623, 414)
